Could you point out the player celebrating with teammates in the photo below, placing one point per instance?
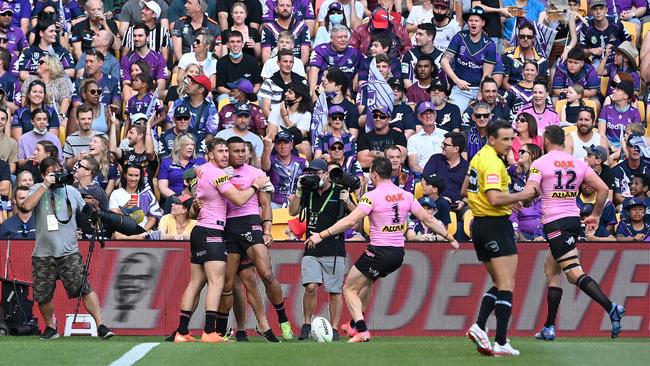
(207, 248)
(387, 207)
(486, 187)
(245, 236)
(558, 176)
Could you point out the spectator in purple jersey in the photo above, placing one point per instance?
(285, 20)
(58, 85)
(144, 101)
(302, 10)
(28, 141)
(283, 168)
(476, 136)
(601, 32)
(616, 116)
(16, 41)
(242, 92)
(335, 132)
(624, 62)
(521, 93)
(172, 168)
(155, 61)
(337, 53)
(21, 12)
(380, 23)
(46, 40)
(576, 70)
(35, 98)
(526, 220)
(9, 83)
(380, 45)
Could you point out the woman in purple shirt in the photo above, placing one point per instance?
(526, 220)
(614, 117)
(183, 157)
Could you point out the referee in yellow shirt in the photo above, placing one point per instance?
(486, 187)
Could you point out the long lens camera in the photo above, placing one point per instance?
(347, 181)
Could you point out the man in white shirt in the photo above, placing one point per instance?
(428, 141)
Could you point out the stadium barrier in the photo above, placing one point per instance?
(433, 294)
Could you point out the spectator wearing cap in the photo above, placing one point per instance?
(515, 58)
(240, 21)
(417, 231)
(336, 53)
(187, 29)
(469, 59)
(334, 16)
(601, 32)
(241, 124)
(82, 33)
(21, 225)
(273, 88)
(172, 168)
(425, 34)
(335, 131)
(450, 165)
(130, 13)
(283, 168)
(177, 225)
(241, 92)
(102, 41)
(636, 226)
(285, 19)
(380, 23)
(335, 86)
(427, 141)
(93, 69)
(335, 154)
(205, 119)
(181, 123)
(353, 19)
(629, 167)
(293, 114)
(446, 25)
(639, 187)
(608, 215)
(476, 136)
(202, 56)
(596, 158)
(585, 139)
(616, 116)
(402, 118)
(363, 96)
(433, 186)
(625, 61)
(489, 95)
(15, 37)
(141, 51)
(159, 37)
(77, 144)
(373, 143)
(447, 114)
(236, 65)
(9, 84)
(424, 71)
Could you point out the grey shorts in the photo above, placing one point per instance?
(47, 270)
(320, 270)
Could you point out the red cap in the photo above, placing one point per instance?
(204, 81)
(380, 19)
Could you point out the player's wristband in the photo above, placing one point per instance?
(267, 220)
(255, 188)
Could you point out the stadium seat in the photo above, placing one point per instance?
(629, 27)
(419, 191)
(222, 103)
(281, 219)
(467, 221)
(645, 30)
(604, 82)
(453, 226)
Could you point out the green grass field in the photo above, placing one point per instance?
(391, 351)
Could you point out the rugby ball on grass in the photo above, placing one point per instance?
(321, 330)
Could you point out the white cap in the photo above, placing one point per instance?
(138, 116)
(151, 4)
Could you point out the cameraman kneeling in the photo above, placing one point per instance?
(56, 254)
(323, 204)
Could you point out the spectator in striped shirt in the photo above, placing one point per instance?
(273, 88)
(159, 38)
(76, 144)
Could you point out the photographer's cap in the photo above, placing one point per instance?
(317, 164)
(427, 201)
(97, 193)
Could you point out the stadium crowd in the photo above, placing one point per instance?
(127, 94)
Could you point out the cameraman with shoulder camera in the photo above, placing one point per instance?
(56, 206)
(322, 204)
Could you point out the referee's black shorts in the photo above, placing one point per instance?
(493, 237)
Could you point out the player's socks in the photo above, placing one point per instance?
(487, 305)
(361, 326)
(353, 324)
(502, 310)
(184, 322)
(210, 321)
(591, 288)
(279, 309)
(222, 322)
(553, 298)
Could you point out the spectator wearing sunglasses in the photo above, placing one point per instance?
(335, 131)
(185, 31)
(12, 37)
(372, 144)
(181, 125)
(202, 56)
(20, 226)
(476, 136)
(427, 141)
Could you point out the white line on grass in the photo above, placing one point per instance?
(135, 354)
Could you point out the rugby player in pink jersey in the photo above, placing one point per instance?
(245, 238)
(207, 248)
(558, 176)
(387, 207)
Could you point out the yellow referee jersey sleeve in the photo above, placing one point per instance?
(487, 171)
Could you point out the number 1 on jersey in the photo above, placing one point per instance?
(395, 208)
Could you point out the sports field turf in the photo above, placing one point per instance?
(392, 351)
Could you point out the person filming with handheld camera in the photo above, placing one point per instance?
(57, 206)
(322, 199)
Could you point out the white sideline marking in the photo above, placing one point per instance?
(134, 354)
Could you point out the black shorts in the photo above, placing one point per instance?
(379, 261)
(242, 233)
(562, 235)
(493, 237)
(47, 270)
(207, 245)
